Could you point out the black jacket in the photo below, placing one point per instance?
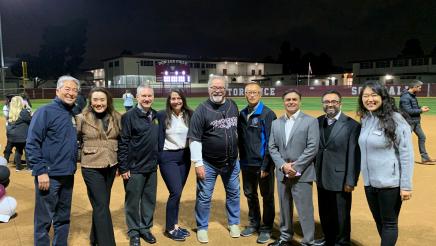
(17, 131)
(253, 137)
(409, 105)
(138, 145)
(338, 160)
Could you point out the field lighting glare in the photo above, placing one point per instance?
(388, 77)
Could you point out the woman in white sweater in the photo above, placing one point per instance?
(386, 158)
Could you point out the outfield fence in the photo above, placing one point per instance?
(234, 90)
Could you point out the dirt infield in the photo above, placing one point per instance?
(417, 219)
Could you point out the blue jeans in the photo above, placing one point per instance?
(53, 207)
(230, 177)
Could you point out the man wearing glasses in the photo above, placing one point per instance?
(214, 150)
(337, 167)
(254, 126)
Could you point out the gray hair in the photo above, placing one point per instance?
(64, 78)
(142, 87)
(219, 77)
(415, 82)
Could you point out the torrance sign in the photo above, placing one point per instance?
(239, 92)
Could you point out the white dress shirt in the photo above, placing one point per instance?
(176, 135)
(290, 121)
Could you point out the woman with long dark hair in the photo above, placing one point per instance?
(98, 127)
(386, 158)
(174, 157)
(18, 124)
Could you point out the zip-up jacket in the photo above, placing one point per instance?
(385, 166)
(253, 135)
(138, 144)
(52, 140)
(409, 104)
(17, 131)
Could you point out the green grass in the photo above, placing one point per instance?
(349, 104)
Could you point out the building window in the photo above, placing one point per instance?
(433, 60)
(419, 61)
(202, 65)
(382, 64)
(111, 64)
(259, 72)
(116, 63)
(190, 64)
(203, 72)
(366, 65)
(253, 72)
(408, 77)
(145, 63)
(401, 63)
(225, 71)
(196, 65)
(210, 65)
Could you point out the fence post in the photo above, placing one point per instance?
(428, 89)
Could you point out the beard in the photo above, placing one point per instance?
(331, 112)
(217, 99)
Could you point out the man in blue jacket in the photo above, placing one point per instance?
(51, 151)
(409, 105)
(254, 126)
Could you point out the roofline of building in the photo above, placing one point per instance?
(390, 58)
(193, 59)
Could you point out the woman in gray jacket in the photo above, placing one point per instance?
(386, 158)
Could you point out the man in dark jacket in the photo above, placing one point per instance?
(52, 153)
(254, 126)
(137, 157)
(409, 105)
(337, 167)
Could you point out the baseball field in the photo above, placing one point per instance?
(417, 222)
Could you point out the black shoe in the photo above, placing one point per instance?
(148, 237)
(176, 235)
(319, 242)
(185, 231)
(280, 242)
(135, 241)
(248, 231)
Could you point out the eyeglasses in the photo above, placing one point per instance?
(214, 88)
(251, 92)
(332, 102)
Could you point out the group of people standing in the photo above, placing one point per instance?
(294, 149)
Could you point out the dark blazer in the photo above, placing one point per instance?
(338, 159)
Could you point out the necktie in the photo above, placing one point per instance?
(330, 121)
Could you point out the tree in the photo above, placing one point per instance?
(285, 56)
(412, 48)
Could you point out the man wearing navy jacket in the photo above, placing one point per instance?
(52, 154)
(254, 126)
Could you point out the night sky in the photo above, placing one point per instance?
(346, 30)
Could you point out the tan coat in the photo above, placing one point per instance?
(99, 148)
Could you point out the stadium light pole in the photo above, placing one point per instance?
(2, 58)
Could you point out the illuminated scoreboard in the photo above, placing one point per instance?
(172, 71)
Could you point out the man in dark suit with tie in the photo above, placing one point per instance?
(337, 166)
(293, 145)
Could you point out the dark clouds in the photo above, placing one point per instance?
(344, 29)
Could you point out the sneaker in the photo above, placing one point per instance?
(235, 232)
(263, 237)
(185, 231)
(428, 161)
(248, 231)
(202, 236)
(176, 235)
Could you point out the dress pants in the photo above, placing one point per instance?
(99, 185)
(140, 202)
(251, 180)
(417, 129)
(174, 167)
(334, 212)
(53, 206)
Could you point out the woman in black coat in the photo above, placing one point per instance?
(18, 124)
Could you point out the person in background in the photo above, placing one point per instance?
(213, 140)
(174, 157)
(128, 100)
(409, 105)
(80, 103)
(337, 168)
(8, 149)
(18, 124)
(51, 150)
(98, 129)
(257, 167)
(386, 158)
(137, 157)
